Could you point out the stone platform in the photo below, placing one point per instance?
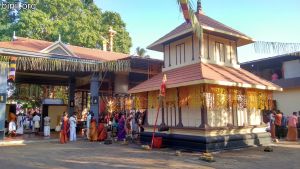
(208, 143)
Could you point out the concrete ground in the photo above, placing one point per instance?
(87, 155)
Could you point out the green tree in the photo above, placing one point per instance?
(140, 51)
(122, 40)
(80, 22)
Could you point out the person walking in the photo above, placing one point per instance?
(73, 126)
(47, 126)
(292, 127)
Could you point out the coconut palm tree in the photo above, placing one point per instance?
(140, 52)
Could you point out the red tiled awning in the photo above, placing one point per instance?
(34, 45)
(200, 73)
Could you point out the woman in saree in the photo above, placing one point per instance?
(93, 129)
(102, 133)
(64, 128)
(292, 134)
(121, 129)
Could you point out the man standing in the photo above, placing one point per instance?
(283, 130)
(36, 123)
(278, 118)
(47, 126)
(72, 122)
(88, 122)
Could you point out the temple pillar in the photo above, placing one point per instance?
(72, 86)
(3, 94)
(179, 110)
(94, 90)
(204, 119)
(146, 123)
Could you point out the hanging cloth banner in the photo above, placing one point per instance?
(12, 69)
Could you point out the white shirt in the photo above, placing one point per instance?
(72, 121)
(36, 118)
(47, 121)
(12, 126)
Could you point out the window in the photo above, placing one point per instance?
(220, 51)
(180, 53)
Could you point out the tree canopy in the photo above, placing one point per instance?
(80, 22)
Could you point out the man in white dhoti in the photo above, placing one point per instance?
(73, 121)
(20, 124)
(47, 126)
(36, 123)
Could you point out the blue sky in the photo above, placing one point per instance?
(266, 20)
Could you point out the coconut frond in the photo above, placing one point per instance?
(68, 65)
(276, 47)
(186, 7)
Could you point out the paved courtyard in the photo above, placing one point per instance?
(82, 154)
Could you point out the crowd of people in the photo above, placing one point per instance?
(282, 126)
(121, 125)
(31, 121)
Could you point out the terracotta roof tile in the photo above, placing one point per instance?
(205, 21)
(203, 73)
(34, 45)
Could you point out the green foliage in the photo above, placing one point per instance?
(80, 22)
(122, 40)
(140, 51)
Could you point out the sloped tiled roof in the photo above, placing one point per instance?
(33, 45)
(207, 24)
(205, 73)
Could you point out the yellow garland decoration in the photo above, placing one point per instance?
(153, 99)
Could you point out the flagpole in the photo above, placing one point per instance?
(162, 94)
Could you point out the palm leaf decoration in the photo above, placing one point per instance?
(186, 7)
(67, 65)
(276, 47)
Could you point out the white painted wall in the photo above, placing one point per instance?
(191, 116)
(291, 69)
(288, 101)
(207, 53)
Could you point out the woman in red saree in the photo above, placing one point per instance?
(64, 128)
(102, 133)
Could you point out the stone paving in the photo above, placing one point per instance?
(86, 155)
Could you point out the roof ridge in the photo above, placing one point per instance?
(26, 38)
(221, 24)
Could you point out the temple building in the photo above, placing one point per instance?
(210, 103)
(56, 77)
